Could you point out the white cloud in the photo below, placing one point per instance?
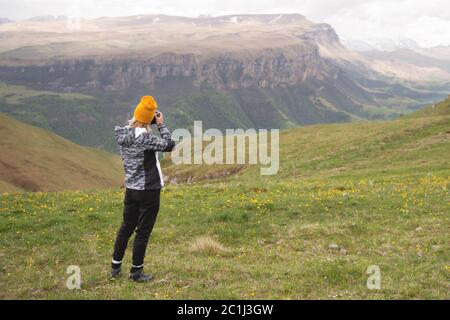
(427, 22)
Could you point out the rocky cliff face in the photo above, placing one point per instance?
(267, 69)
(231, 52)
(321, 33)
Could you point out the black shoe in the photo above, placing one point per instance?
(115, 273)
(140, 276)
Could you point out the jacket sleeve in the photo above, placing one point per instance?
(155, 143)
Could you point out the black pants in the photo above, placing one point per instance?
(139, 214)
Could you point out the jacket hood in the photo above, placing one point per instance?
(124, 136)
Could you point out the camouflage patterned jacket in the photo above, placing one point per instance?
(140, 157)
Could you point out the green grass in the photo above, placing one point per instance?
(348, 196)
(276, 241)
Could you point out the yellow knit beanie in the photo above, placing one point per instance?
(145, 110)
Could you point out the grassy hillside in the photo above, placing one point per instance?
(348, 196)
(438, 109)
(84, 119)
(88, 119)
(33, 159)
(419, 143)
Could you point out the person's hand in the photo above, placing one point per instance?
(159, 118)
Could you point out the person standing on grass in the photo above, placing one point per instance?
(143, 180)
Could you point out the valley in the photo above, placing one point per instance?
(348, 196)
(242, 71)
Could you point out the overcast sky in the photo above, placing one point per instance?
(427, 22)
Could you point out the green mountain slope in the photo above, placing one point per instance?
(84, 119)
(88, 119)
(438, 109)
(348, 197)
(33, 159)
(412, 145)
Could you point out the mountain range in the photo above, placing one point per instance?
(260, 71)
(405, 59)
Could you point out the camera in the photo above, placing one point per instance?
(154, 118)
